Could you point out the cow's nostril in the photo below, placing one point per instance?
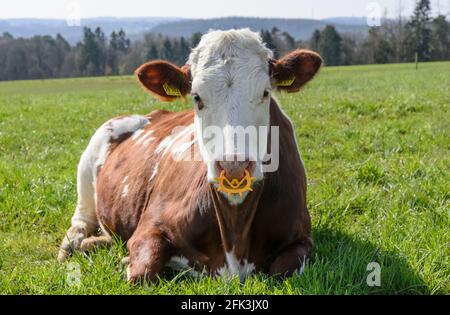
(235, 169)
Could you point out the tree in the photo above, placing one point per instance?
(166, 52)
(382, 51)
(195, 39)
(330, 46)
(440, 43)
(184, 50)
(122, 42)
(315, 40)
(290, 41)
(16, 62)
(93, 52)
(418, 31)
(70, 67)
(279, 42)
(349, 47)
(7, 36)
(152, 53)
(267, 38)
(119, 45)
(62, 50)
(112, 54)
(394, 33)
(133, 59)
(282, 41)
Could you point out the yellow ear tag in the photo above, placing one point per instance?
(171, 90)
(287, 82)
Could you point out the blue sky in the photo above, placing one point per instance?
(207, 8)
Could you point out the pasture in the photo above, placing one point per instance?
(374, 140)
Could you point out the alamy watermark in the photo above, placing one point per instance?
(374, 277)
(73, 274)
(229, 144)
(73, 14)
(374, 14)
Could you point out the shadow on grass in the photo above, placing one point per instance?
(339, 265)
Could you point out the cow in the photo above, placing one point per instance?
(135, 182)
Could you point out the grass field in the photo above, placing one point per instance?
(375, 142)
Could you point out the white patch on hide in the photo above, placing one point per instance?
(168, 141)
(145, 139)
(235, 267)
(125, 191)
(180, 263)
(178, 152)
(154, 172)
(94, 157)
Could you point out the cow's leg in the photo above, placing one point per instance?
(84, 221)
(95, 241)
(291, 259)
(149, 252)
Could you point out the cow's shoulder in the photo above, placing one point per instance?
(163, 114)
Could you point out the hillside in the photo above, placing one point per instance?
(300, 29)
(136, 27)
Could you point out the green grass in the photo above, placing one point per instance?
(375, 142)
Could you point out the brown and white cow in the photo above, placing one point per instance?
(152, 180)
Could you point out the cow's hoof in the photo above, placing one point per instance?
(130, 277)
(62, 255)
(138, 274)
(72, 241)
(124, 264)
(125, 261)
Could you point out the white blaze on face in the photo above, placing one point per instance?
(230, 72)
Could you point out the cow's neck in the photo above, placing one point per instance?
(235, 221)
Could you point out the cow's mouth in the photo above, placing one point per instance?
(235, 186)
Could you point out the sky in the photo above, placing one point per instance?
(316, 9)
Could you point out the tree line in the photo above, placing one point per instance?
(394, 41)
(42, 57)
(39, 57)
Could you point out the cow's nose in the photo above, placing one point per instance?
(235, 167)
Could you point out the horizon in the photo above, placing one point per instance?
(318, 10)
(185, 18)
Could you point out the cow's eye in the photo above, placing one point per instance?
(198, 101)
(266, 93)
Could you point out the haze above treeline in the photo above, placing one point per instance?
(136, 28)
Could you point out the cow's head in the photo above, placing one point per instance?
(231, 75)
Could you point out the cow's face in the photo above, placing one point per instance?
(231, 75)
(231, 88)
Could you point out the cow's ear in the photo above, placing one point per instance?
(295, 69)
(167, 81)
